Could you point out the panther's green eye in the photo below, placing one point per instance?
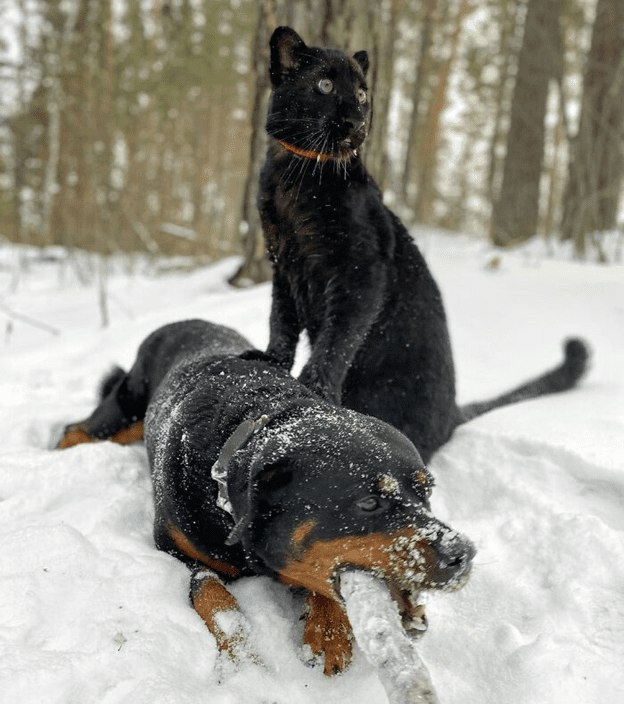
(361, 95)
(325, 86)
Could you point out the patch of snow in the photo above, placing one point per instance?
(91, 612)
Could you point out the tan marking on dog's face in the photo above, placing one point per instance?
(301, 532)
(401, 558)
(388, 484)
(422, 477)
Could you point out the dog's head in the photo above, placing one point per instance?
(330, 489)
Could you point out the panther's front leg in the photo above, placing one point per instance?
(283, 323)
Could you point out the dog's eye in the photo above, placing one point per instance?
(361, 95)
(325, 85)
(370, 503)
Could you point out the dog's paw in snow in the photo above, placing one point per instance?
(327, 636)
(221, 613)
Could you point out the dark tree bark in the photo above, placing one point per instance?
(510, 45)
(256, 266)
(515, 212)
(423, 206)
(421, 72)
(595, 169)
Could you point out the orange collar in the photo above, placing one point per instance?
(305, 153)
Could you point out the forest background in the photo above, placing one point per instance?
(138, 125)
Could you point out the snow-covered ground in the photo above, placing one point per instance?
(91, 612)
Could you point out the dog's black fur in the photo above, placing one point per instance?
(346, 269)
(308, 488)
(124, 396)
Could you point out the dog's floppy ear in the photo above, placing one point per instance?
(287, 49)
(110, 380)
(362, 58)
(265, 482)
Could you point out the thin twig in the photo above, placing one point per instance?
(27, 319)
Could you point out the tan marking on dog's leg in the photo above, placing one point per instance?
(184, 545)
(210, 598)
(128, 435)
(74, 437)
(328, 631)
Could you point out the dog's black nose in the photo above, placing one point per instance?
(455, 554)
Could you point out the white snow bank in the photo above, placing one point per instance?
(91, 612)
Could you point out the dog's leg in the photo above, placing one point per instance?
(328, 631)
(76, 434)
(118, 416)
(221, 613)
(73, 434)
(128, 435)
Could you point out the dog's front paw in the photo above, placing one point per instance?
(230, 630)
(231, 634)
(327, 634)
(221, 613)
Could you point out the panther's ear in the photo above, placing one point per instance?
(362, 58)
(286, 50)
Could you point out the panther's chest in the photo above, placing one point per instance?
(315, 221)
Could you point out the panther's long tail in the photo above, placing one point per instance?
(561, 378)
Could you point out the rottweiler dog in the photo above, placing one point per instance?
(253, 473)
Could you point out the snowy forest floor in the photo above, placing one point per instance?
(91, 612)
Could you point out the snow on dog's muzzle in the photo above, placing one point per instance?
(410, 560)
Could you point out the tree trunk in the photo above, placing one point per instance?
(595, 168)
(510, 49)
(426, 185)
(256, 266)
(411, 148)
(515, 212)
